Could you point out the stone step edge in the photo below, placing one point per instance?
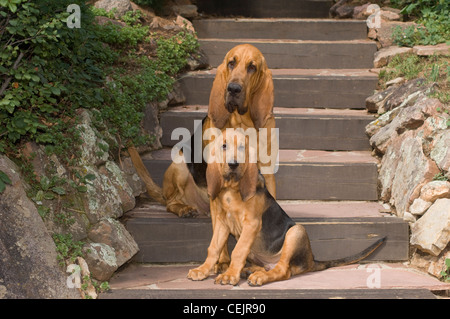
(274, 20)
(293, 294)
(350, 74)
(304, 210)
(290, 41)
(290, 157)
(291, 112)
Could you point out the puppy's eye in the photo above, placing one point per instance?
(231, 65)
(224, 146)
(251, 68)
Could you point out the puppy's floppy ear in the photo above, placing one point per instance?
(249, 182)
(217, 111)
(214, 179)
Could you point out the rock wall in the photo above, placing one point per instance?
(412, 139)
(28, 257)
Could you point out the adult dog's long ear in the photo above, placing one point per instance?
(249, 181)
(214, 179)
(261, 107)
(217, 111)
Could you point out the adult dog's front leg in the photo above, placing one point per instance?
(239, 254)
(220, 236)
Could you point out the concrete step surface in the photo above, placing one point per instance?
(307, 174)
(298, 54)
(300, 88)
(336, 230)
(313, 129)
(275, 28)
(359, 281)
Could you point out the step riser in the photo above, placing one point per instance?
(345, 134)
(188, 240)
(335, 93)
(300, 55)
(266, 8)
(353, 181)
(324, 30)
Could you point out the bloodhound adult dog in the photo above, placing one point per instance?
(241, 97)
(267, 237)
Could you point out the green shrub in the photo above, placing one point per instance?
(433, 17)
(47, 70)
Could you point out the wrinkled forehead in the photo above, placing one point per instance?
(244, 53)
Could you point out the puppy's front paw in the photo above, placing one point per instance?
(228, 278)
(197, 274)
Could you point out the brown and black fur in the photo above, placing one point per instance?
(267, 237)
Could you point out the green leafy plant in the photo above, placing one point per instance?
(445, 274)
(433, 18)
(4, 179)
(67, 248)
(47, 71)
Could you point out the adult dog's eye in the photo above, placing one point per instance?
(231, 64)
(251, 68)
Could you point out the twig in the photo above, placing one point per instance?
(8, 79)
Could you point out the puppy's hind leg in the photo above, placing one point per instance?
(296, 246)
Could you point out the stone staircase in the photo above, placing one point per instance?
(327, 178)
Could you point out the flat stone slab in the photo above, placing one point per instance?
(358, 276)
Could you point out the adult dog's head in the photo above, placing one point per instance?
(243, 83)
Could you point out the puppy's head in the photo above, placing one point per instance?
(234, 163)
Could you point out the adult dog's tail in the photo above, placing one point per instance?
(153, 190)
(321, 265)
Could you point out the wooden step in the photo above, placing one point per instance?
(256, 293)
(367, 280)
(292, 29)
(307, 174)
(336, 230)
(313, 129)
(298, 54)
(304, 88)
(266, 8)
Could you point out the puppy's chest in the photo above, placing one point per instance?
(233, 211)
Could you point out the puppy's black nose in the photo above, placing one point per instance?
(234, 88)
(233, 165)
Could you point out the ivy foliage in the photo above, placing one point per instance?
(48, 70)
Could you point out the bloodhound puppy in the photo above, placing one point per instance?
(267, 237)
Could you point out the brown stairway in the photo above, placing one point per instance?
(327, 178)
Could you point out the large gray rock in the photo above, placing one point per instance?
(385, 55)
(28, 264)
(404, 170)
(431, 233)
(441, 149)
(111, 232)
(120, 6)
